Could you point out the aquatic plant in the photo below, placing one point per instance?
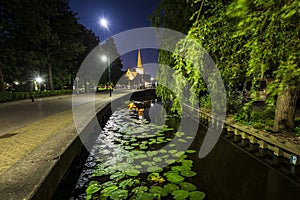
(139, 147)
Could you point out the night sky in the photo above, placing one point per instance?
(122, 15)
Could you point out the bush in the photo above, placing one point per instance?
(15, 96)
(258, 116)
(205, 101)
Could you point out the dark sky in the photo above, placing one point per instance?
(122, 15)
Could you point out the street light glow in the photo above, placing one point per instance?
(104, 23)
(39, 79)
(104, 58)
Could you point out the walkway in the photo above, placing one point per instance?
(25, 152)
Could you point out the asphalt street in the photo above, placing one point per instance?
(15, 115)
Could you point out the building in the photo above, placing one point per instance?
(136, 77)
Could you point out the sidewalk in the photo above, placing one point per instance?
(34, 150)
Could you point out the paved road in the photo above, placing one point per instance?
(15, 115)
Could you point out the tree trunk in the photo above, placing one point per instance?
(285, 110)
(1, 81)
(50, 77)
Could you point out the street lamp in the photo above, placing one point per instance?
(39, 80)
(104, 58)
(104, 23)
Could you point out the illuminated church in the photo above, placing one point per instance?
(137, 77)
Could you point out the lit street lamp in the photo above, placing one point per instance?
(104, 23)
(39, 80)
(104, 58)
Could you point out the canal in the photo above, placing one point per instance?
(153, 155)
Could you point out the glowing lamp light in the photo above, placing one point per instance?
(104, 58)
(39, 79)
(104, 23)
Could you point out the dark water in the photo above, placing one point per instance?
(227, 172)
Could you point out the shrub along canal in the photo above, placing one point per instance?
(143, 155)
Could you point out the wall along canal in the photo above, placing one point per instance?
(151, 158)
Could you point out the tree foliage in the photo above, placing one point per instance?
(247, 40)
(41, 37)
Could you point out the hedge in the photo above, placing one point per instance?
(14, 96)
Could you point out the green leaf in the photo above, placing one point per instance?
(107, 191)
(173, 151)
(119, 194)
(190, 151)
(125, 183)
(158, 190)
(170, 187)
(117, 176)
(140, 189)
(128, 147)
(157, 159)
(147, 163)
(180, 194)
(170, 161)
(188, 173)
(132, 172)
(93, 187)
(154, 169)
(144, 196)
(99, 172)
(188, 186)
(140, 156)
(180, 168)
(173, 177)
(108, 183)
(197, 195)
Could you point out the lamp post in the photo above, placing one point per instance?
(39, 80)
(104, 58)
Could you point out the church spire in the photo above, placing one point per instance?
(139, 61)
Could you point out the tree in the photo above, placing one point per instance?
(172, 14)
(272, 31)
(109, 49)
(41, 37)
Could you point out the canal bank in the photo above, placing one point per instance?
(41, 152)
(276, 151)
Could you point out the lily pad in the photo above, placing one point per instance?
(140, 189)
(157, 159)
(188, 173)
(132, 172)
(125, 183)
(182, 140)
(140, 156)
(188, 186)
(117, 176)
(171, 187)
(157, 190)
(197, 195)
(93, 187)
(174, 177)
(128, 147)
(108, 184)
(151, 153)
(154, 169)
(170, 161)
(119, 194)
(144, 196)
(107, 191)
(190, 151)
(147, 163)
(173, 151)
(180, 194)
